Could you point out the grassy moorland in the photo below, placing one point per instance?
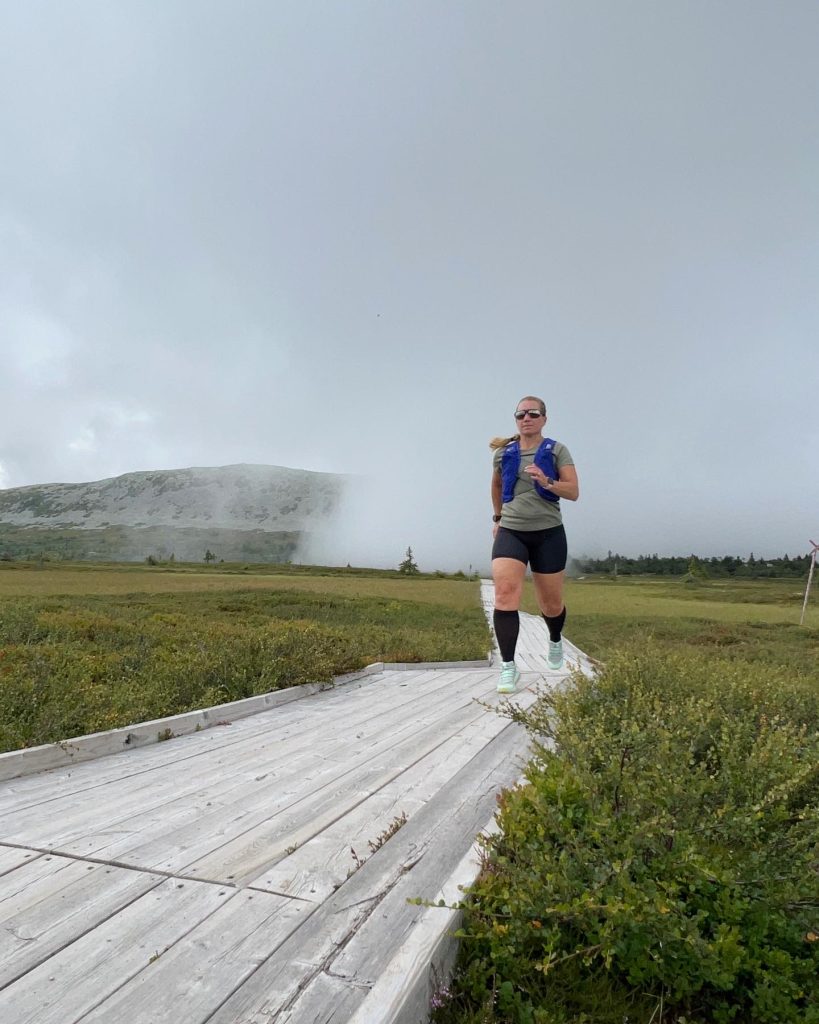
(660, 862)
(66, 579)
(752, 621)
(88, 648)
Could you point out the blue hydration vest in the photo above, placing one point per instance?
(510, 464)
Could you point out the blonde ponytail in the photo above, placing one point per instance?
(502, 442)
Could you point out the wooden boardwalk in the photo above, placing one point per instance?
(256, 872)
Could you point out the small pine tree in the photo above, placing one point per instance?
(209, 556)
(409, 566)
(696, 569)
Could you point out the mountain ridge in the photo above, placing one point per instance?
(172, 510)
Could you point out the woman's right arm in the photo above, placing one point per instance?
(497, 497)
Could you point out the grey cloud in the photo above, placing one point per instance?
(350, 237)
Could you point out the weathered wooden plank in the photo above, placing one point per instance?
(369, 951)
(78, 778)
(424, 962)
(122, 829)
(83, 974)
(139, 769)
(282, 733)
(14, 884)
(202, 969)
(186, 819)
(443, 830)
(317, 867)
(237, 845)
(12, 857)
(328, 1000)
(356, 815)
(78, 749)
(29, 825)
(50, 902)
(411, 666)
(222, 748)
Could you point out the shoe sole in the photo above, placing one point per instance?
(504, 687)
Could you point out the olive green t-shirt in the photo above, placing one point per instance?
(527, 510)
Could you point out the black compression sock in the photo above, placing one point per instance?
(555, 624)
(507, 627)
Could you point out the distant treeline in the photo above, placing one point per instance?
(135, 544)
(693, 565)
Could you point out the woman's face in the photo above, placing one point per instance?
(532, 422)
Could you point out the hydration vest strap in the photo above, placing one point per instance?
(510, 464)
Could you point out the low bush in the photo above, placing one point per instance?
(70, 666)
(661, 860)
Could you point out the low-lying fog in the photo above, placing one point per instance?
(349, 237)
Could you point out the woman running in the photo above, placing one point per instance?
(530, 476)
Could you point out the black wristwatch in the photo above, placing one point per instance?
(496, 519)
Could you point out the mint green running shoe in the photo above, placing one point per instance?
(509, 677)
(554, 659)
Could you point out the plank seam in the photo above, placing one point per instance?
(70, 940)
(163, 875)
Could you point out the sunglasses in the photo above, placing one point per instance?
(533, 414)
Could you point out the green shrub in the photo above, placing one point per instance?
(661, 859)
(70, 666)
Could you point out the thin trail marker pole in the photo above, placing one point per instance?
(810, 577)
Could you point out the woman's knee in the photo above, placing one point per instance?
(507, 594)
(549, 596)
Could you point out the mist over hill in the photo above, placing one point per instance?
(240, 512)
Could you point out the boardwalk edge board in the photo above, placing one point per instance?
(17, 763)
(424, 964)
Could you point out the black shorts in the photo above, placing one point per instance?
(543, 550)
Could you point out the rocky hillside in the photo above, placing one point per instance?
(240, 512)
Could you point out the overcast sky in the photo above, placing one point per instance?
(349, 236)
